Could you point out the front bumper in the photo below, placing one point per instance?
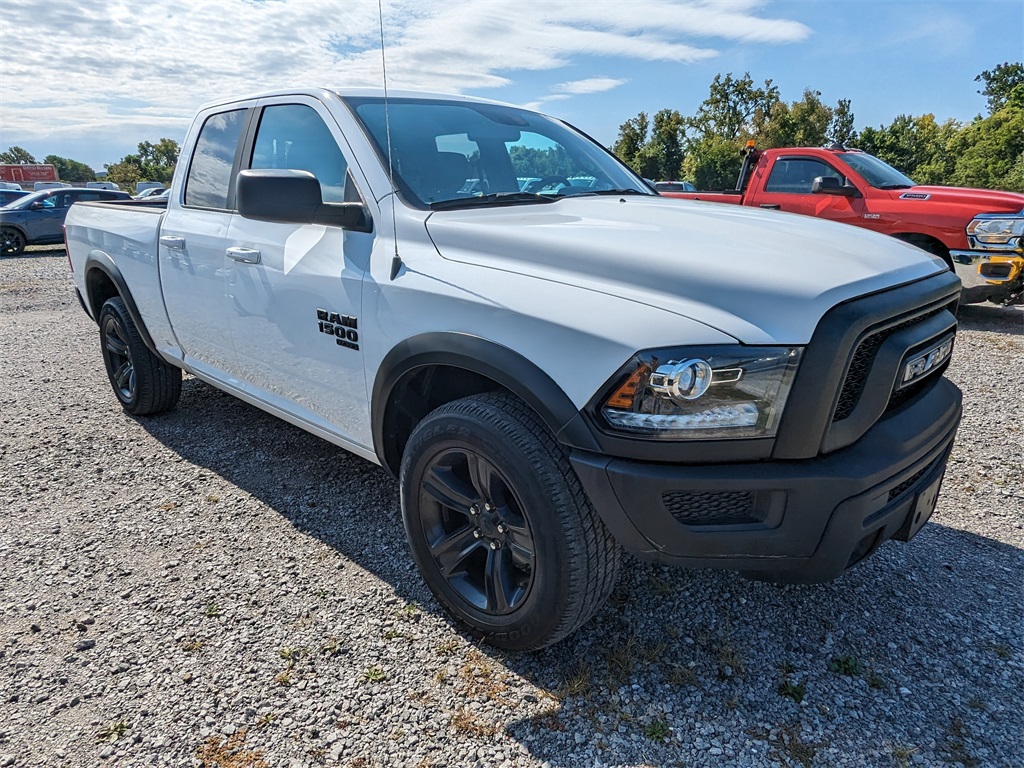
(986, 268)
(802, 521)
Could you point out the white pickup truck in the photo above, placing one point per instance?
(555, 361)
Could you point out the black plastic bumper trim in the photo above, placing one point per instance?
(831, 503)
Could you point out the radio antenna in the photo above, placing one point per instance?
(396, 260)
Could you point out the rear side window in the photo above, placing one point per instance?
(209, 175)
(797, 174)
(294, 136)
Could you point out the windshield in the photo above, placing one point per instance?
(876, 172)
(455, 154)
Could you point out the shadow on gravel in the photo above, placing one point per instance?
(990, 318)
(324, 491)
(917, 651)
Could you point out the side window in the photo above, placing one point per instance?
(209, 175)
(294, 136)
(797, 174)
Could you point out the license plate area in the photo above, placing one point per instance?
(921, 511)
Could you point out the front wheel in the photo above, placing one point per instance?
(12, 242)
(499, 525)
(142, 382)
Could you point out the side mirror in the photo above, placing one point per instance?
(830, 185)
(293, 197)
(36, 205)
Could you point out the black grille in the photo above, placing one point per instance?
(903, 487)
(863, 358)
(712, 508)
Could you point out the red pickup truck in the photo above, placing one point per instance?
(979, 233)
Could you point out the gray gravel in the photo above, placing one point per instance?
(215, 587)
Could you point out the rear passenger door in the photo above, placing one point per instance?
(296, 289)
(193, 238)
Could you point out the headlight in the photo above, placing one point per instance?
(995, 229)
(702, 393)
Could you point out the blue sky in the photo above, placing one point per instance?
(136, 70)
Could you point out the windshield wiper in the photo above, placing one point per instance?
(628, 191)
(495, 198)
(896, 186)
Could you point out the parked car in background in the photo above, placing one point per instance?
(102, 185)
(9, 185)
(674, 186)
(978, 233)
(8, 196)
(149, 192)
(39, 186)
(38, 217)
(142, 186)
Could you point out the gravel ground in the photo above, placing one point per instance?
(216, 587)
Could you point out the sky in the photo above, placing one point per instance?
(90, 79)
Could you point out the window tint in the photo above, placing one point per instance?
(294, 136)
(797, 175)
(209, 175)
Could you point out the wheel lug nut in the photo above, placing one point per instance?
(502, 528)
(495, 545)
(488, 507)
(474, 510)
(477, 534)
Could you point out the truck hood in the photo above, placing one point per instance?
(762, 277)
(983, 200)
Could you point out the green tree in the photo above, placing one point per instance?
(126, 172)
(713, 163)
(668, 136)
(1001, 83)
(71, 170)
(154, 162)
(990, 151)
(633, 136)
(919, 146)
(733, 108)
(17, 155)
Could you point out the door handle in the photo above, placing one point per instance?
(771, 206)
(173, 243)
(244, 255)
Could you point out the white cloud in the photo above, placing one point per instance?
(590, 85)
(139, 68)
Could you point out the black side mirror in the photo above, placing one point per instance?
(293, 197)
(830, 185)
(36, 205)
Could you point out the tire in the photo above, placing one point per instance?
(12, 242)
(142, 382)
(499, 525)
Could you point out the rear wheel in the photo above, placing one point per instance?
(143, 383)
(499, 525)
(12, 242)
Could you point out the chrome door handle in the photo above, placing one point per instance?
(771, 206)
(244, 255)
(174, 243)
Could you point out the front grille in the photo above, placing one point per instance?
(864, 357)
(711, 507)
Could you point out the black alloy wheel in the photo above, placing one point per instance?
(477, 531)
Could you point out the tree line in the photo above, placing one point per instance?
(704, 148)
(152, 162)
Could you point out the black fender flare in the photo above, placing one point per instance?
(487, 358)
(97, 260)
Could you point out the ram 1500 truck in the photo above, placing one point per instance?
(552, 372)
(978, 233)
